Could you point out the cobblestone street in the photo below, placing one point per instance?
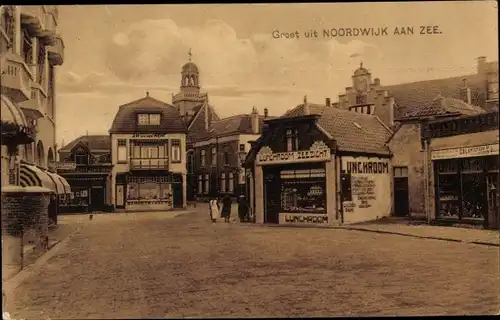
(145, 265)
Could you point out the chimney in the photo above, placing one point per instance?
(254, 120)
(328, 103)
(307, 109)
(376, 82)
(266, 113)
(481, 65)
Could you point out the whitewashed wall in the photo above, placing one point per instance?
(371, 189)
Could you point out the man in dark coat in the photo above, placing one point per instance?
(226, 208)
(243, 209)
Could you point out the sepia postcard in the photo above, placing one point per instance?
(250, 160)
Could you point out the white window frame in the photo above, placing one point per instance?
(176, 150)
(231, 182)
(222, 182)
(145, 119)
(202, 158)
(214, 156)
(121, 151)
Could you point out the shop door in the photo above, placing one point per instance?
(272, 188)
(493, 198)
(474, 200)
(120, 196)
(401, 194)
(96, 198)
(177, 195)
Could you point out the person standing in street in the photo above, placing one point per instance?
(243, 209)
(226, 208)
(214, 210)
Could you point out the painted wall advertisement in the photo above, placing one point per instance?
(370, 188)
(303, 218)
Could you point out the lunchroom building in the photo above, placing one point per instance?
(321, 165)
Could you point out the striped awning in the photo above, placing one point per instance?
(11, 113)
(61, 184)
(31, 176)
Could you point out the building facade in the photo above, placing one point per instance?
(86, 164)
(148, 154)
(310, 166)
(218, 155)
(462, 162)
(31, 49)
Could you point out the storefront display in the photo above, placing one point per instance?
(303, 191)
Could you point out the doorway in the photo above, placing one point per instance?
(96, 199)
(401, 193)
(120, 196)
(272, 193)
(178, 200)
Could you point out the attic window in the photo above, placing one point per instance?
(357, 125)
(145, 119)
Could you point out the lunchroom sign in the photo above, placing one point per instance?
(318, 152)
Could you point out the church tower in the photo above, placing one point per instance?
(189, 97)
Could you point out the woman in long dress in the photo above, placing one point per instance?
(214, 210)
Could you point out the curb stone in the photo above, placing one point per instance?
(383, 232)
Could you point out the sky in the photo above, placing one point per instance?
(114, 54)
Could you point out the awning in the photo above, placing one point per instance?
(31, 176)
(14, 124)
(465, 145)
(61, 184)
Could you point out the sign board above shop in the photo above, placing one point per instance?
(149, 135)
(62, 165)
(465, 152)
(319, 152)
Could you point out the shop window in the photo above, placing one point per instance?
(400, 172)
(292, 140)
(214, 156)
(472, 165)
(202, 158)
(303, 191)
(231, 183)
(447, 166)
(149, 188)
(223, 182)
(176, 150)
(122, 150)
(346, 190)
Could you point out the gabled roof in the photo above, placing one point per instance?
(410, 97)
(355, 132)
(441, 106)
(299, 110)
(94, 143)
(238, 124)
(126, 118)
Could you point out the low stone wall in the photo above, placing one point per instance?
(24, 210)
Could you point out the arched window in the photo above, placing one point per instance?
(50, 156)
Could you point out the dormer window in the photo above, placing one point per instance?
(148, 119)
(81, 157)
(292, 140)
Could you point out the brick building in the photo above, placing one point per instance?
(319, 164)
(86, 164)
(220, 152)
(405, 107)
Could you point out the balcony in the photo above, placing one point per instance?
(36, 106)
(16, 77)
(51, 18)
(34, 19)
(149, 164)
(56, 52)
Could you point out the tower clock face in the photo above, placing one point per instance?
(361, 84)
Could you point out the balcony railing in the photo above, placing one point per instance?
(148, 164)
(56, 52)
(16, 77)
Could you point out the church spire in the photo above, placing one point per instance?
(190, 54)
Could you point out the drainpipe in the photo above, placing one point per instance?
(426, 182)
